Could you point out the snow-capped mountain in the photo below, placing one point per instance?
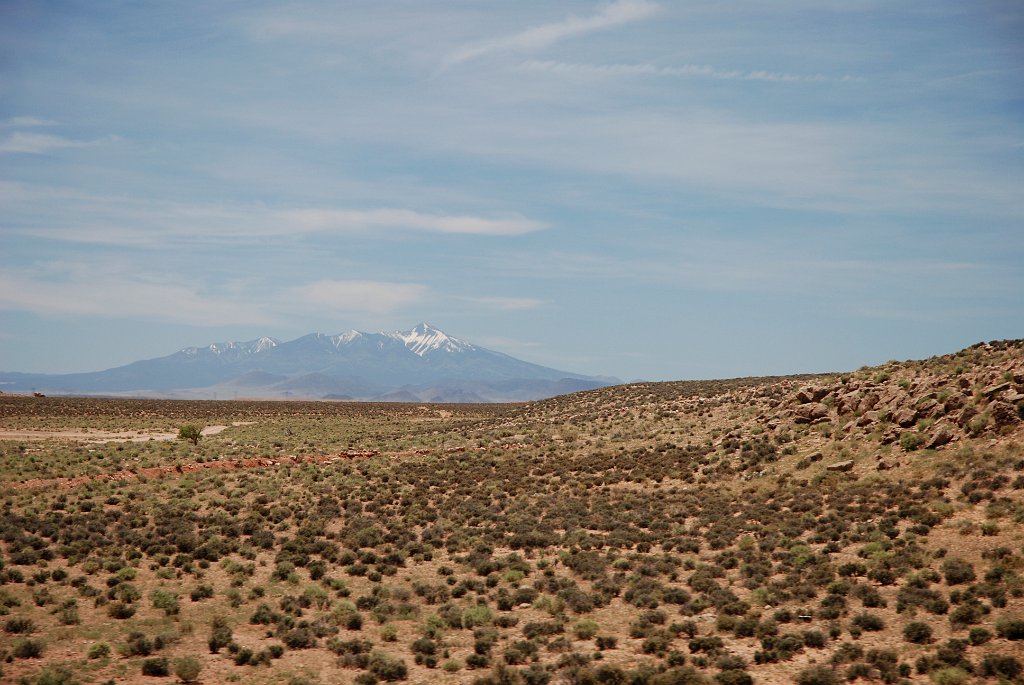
(424, 339)
(233, 350)
(421, 364)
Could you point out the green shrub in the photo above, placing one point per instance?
(917, 632)
(19, 626)
(98, 650)
(120, 610)
(979, 636)
(27, 649)
(867, 621)
(187, 668)
(585, 629)
(1000, 666)
(55, 675)
(1010, 628)
(949, 676)
(957, 571)
(387, 667)
(681, 675)
(734, 677)
(168, 601)
(910, 440)
(220, 634)
(156, 666)
(478, 615)
(817, 675)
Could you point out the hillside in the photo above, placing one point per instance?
(814, 529)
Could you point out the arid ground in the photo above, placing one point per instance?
(818, 529)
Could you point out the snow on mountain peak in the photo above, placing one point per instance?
(249, 347)
(264, 343)
(424, 338)
(420, 340)
(345, 338)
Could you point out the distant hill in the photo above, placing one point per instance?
(423, 364)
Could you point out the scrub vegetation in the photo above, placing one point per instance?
(770, 530)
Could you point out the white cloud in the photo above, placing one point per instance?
(685, 71)
(119, 220)
(332, 219)
(36, 143)
(356, 296)
(104, 290)
(116, 289)
(539, 37)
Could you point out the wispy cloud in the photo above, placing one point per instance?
(25, 122)
(682, 71)
(118, 220)
(110, 291)
(377, 297)
(539, 37)
(508, 303)
(333, 219)
(37, 143)
(111, 288)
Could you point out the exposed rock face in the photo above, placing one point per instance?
(977, 390)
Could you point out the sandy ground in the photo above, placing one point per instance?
(97, 436)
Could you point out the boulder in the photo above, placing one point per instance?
(805, 395)
(807, 413)
(993, 390)
(954, 402)
(905, 417)
(809, 393)
(940, 437)
(841, 466)
(868, 402)
(965, 415)
(1003, 413)
(924, 398)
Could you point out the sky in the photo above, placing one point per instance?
(633, 188)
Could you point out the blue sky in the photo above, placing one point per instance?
(634, 188)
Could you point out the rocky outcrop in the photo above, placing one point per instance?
(969, 393)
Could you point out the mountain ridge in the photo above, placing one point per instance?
(422, 362)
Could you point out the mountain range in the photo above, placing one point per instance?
(423, 364)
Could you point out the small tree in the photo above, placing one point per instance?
(191, 432)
